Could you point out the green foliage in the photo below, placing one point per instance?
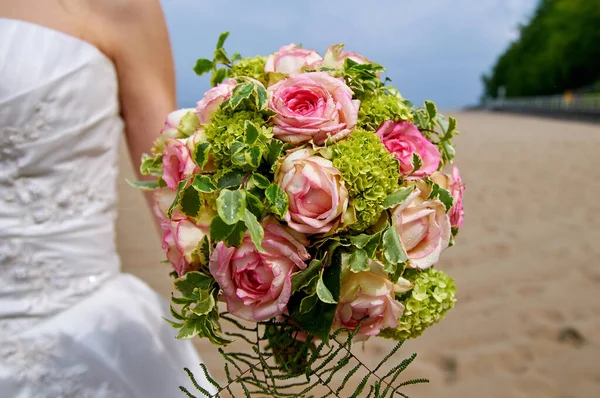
(284, 365)
(382, 106)
(253, 67)
(278, 200)
(557, 50)
(363, 79)
(370, 172)
(227, 133)
(432, 296)
(438, 129)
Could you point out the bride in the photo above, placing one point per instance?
(74, 74)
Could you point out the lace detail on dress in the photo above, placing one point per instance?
(35, 363)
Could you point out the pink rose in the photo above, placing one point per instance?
(177, 162)
(369, 294)
(312, 106)
(424, 229)
(181, 235)
(404, 139)
(257, 286)
(335, 56)
(213, 98)
(454, 184)
(316, 193)
(291, 59)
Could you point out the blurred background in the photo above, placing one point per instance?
(523, 79)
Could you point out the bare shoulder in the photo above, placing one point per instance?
(124, 25)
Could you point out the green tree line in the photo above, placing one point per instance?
(558, 50)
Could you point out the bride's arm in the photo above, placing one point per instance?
(138, 41)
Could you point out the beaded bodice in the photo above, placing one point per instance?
(59, 133)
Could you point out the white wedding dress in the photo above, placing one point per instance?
(71, 325)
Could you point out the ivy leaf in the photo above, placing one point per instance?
(260, 181)
(190, 202)
(358, 261)
(189, 123)
(252, 132)
(261, 98)
(275, 150)
(236, 57)
(205, 303)
(442, 194)
(143, 185)
(308, 303)
(240, 92)
(237, 235)
(231, 205)
(191, 281)
(231, 179)
(221, 41)
(431, 110)
(254, 204)
(278, 200)
(218, 76)
(323, 292)
(202, 66)
(392, 248)
(253, 156)
(201, 154)
(180, 187)
(304, 278)
(219, 230)
(397, 197)
(416, 162)
(203, 183)
(254, 229)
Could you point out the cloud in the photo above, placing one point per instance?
(434, 49)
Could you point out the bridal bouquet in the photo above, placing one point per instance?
(312, 199)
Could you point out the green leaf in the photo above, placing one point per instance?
(191, 281)
(203, 183)
(278, 200)
(236, 57)
(318, 321)
(416, 162)
(323, 292)
(205, 303)
(255, 229)
(260, 181)
(359, 261)
(203, 65)
(222, 37)
(188, 330)
(392, 248)
(240, 92)
(231, 179)
(180, 187)
(237, 235)
(189, 123)
(252, 132)
(302, 279)
(219, 230)
(397, 197)
(253, 156)
(431, 110)
(262, 98)
(254, 204)
(231, 205)
(442, 194)
(308, 303)
(144, 185)
(221, 56)
(201, 154)
(275, 151)
(151, 165)
(190, 202)
(451, 128)
(218, 76)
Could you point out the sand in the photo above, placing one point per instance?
(527, 323)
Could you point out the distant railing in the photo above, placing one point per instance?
(584, 103)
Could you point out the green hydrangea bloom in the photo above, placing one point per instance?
(253, 67)
(225, 128)
(380, 107)
(431, 297)
(370, 172)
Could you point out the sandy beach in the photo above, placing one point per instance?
(526, 263)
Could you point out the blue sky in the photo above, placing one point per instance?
(432, 49)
